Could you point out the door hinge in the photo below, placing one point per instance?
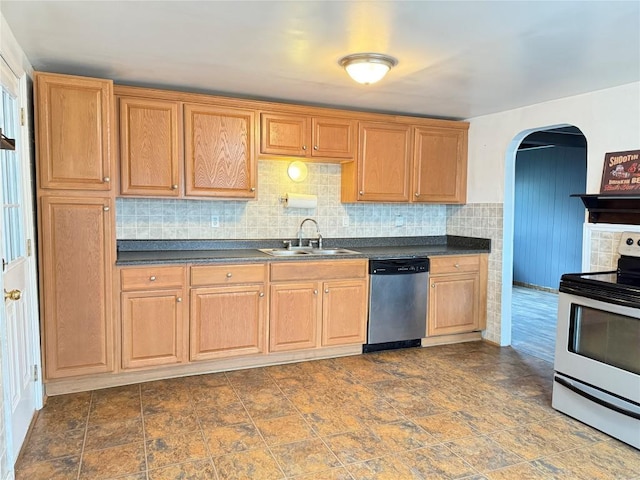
(36, 375)
(22, 121)
(29, 247)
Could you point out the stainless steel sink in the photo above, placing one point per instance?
(300, 251)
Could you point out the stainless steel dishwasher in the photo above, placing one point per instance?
(397, 303)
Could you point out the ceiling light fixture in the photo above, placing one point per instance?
(367, 68)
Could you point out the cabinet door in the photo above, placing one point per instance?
(77, 244)
(149, 147)
(440, 165)
(227, 321)
(294, 314)
(152, 328)
(344, 312)
(73, 131)
(219, 159)
(454, 304)
(282, 134)
(333, 137)
(383, 162)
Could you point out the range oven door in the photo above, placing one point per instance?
(598, 343)
(597, 364)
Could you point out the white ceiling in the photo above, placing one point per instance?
(457, 59)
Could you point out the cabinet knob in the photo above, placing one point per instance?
(105, 208)
(457, 265)
(315, 292)
(262, 294)
(252, 189)
(315, 147)
(179, 299)
(174, 187)
(304, 147)
(106, 179)
(417, 194)
(326, 290)
(152, 278)
(229, 275)
(360, 192)
(433, 285)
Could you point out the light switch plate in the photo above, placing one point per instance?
(215, 221)
(399, 220)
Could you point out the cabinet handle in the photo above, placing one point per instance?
(457, 265)
(326, 290)
(261, 294)
(179, 299)
(252, 189)
(417, 194)
(174, 187)
(152, 278)
(229, 275)
(106, 179)
(315, 292)
(304, 147)
(105, 208)
(433, 285)
(315, 147)
(360, 192)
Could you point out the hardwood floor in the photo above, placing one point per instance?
(533, 322)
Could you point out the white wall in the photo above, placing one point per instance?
(609, 119)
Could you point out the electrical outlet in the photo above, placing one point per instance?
(345, 221)
(399, 220)
(215, 221)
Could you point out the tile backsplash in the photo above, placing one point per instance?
(266, 217)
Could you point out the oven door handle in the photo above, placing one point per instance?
(595, 399)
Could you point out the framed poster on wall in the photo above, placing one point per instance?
(621, 173)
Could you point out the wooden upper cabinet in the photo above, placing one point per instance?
(74, 118)
(307, 136)
(219, 159)
(282, 134)
(383, 167)
(77, 261)
(150, 157)
(440, 165)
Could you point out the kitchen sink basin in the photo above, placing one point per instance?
(300, 251)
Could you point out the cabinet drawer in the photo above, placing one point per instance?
(228, 274)
(323, 270)
(143, 278)
(454, 264)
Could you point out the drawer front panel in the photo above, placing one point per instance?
(321, 270)
(143, 278)
(454, 264)
(202, 275)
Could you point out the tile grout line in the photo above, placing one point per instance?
(86, 433)
(192, 402)
(268, 447)
(311, 427)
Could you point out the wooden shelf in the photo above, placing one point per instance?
(612, 208)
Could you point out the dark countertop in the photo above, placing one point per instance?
(146, 252)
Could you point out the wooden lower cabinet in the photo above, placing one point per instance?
(344, 306)
(457, 294)
(294, 316)
(317, 304)
(152, 328)
(76, 251)
(227, 321)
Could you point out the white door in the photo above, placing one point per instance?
(19, 330)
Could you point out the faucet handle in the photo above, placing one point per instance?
(314, 243)
(287, 244)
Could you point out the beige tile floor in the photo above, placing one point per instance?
(468, 411)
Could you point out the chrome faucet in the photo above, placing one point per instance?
(317, 231)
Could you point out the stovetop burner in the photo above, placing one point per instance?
(621, 286)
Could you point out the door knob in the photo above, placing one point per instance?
(12, 295)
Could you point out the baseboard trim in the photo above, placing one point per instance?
(83, 384)
(454, 338)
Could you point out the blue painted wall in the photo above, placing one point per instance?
(548, 223)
